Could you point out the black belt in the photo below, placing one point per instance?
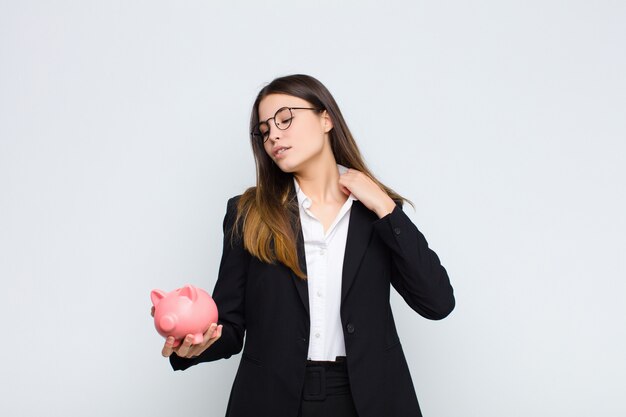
(325, 378)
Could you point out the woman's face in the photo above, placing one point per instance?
(306, 138)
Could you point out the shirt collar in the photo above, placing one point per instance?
(305, 201)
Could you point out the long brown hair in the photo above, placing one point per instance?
(270, 209)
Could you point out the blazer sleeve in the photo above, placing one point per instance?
(228, 295)
(416, 272)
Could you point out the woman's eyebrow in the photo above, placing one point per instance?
(284, 106)
(264, 119)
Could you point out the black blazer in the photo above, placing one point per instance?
(271, 305)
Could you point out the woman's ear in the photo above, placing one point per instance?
(327, 122)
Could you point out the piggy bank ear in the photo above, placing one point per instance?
(156, 296)
(190, 292)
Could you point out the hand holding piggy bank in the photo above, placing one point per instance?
(187, 310)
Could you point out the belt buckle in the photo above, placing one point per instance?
(315, 378)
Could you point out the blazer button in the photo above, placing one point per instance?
(396, 230)
(350, 328)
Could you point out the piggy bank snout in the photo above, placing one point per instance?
(168, 322)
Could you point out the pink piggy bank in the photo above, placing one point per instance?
(187, 310)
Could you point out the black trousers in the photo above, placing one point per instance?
(327, 390)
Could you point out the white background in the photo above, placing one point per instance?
(123, 132)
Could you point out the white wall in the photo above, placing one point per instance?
(123, 131)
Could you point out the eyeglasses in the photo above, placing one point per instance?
(282, 120)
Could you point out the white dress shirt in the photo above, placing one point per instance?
(324, 254)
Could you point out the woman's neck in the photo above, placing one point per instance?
(320, 182)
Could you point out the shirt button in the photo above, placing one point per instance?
(350, 328)
(317, 335)
(319, 293)
(322, 251)
(306, 204)
(396, 230)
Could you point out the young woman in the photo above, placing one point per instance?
(309, 256)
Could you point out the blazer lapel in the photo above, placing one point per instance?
(359, 233)
(302, 285)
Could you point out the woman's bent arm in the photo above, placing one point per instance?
(228, 294)
(416, 272)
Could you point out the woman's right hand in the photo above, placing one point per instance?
(187, 349)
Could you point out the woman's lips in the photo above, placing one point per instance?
(281, 152)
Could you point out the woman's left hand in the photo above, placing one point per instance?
(367, 192)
